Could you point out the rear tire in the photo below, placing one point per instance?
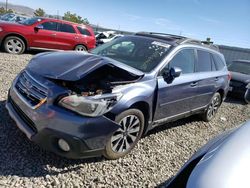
(81, 48)
(126, 137)
(212, 108)
(14, 45)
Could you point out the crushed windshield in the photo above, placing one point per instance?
(240, 67)
(138, 52)
(30, 21)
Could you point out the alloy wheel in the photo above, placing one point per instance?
(14, 46)
(80, 48)
(124, 138)
(213, 107)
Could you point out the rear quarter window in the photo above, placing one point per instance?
(83, 31)
(219, 63)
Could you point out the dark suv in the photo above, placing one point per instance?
(81, 105)
(45, 33)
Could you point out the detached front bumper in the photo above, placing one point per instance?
(86, 136)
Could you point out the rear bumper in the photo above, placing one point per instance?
(237, 92)
(86, 137)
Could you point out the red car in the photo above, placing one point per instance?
(45, 33)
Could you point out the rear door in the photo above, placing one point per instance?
(45, 37)
(209, 79)
(177, 97)
(66, 37)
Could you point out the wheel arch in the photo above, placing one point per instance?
(17, 35)
(81, 44)
(145, 109)
(222, 93)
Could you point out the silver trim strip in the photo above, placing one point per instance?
(165, 120)
(47, 49)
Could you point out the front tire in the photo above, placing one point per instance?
(212, 108)
(126, 137)
(14, 45)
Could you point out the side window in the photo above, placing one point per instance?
(218, 62)
(185, 60)
(52, 26)
(66, 28)
(204, 61)
(84, 31)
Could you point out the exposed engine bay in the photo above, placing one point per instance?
(100, 81)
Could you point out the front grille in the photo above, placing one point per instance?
(30, 89)
(23, 116)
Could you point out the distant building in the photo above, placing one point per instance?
(234, 53)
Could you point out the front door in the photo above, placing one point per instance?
(177, 97)
(46, 36)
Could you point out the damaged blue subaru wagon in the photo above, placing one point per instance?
(100, 103)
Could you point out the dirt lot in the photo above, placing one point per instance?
(157, 157)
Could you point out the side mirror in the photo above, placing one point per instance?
(170, 74)
(38, 27)
(175, 72)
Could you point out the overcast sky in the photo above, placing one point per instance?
(225, 21)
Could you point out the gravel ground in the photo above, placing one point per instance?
(157, 157)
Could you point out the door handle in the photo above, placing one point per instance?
(194, 84)
(53, 34)
(216, 79)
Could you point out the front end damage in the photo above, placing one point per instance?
(72, 121)
(98, 92)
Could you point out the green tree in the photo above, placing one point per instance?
(75, 18)
(3, 11)
(9, 11)
(39, 12)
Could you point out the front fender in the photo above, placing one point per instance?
(134, 93)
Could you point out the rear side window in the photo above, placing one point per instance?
(218, 62)
(66, 28)
(185, 59)
(84, 31)
(52, 26)
(204, 63)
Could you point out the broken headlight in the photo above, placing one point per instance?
(90, 105)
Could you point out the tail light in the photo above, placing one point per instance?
(229, 76)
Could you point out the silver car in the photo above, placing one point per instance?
(224, 162)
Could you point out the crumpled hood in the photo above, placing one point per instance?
(241, 77)
(225, 165)
(71, 66)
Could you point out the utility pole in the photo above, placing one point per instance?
(6, 6)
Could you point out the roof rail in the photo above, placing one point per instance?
(179, 39)
(161, 35)
(189, 40)
(202, 43)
